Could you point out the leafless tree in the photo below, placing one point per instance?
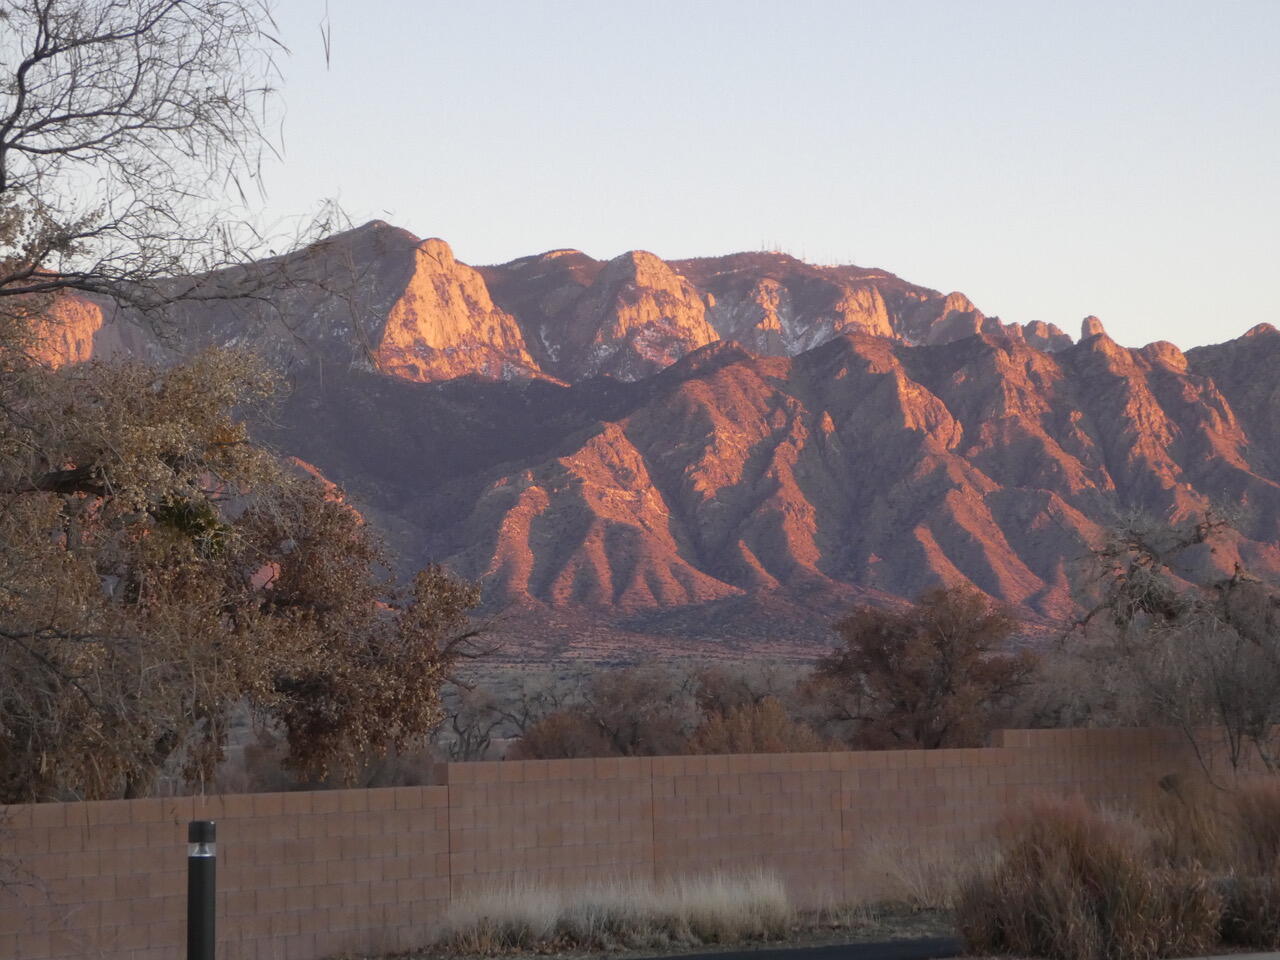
(472, 719)
(536, 696)
(125, 127)
(1198, 654)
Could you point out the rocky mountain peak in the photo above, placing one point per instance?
(1091, 327)
(1045, 336)
(641, 267)
(440, 251)
(444, 324)
(774, 441)
(1165, 353)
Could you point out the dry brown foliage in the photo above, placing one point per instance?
(762, 727)
(563, 734)
(931, 675)
(642, 711)
(610, 916)
(1074, 883)
(158, 568)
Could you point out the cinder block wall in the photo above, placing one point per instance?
(304, 876)
(300, 875)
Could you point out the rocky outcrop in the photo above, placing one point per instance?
(444, 325)
(631, 316)
(732, 482)
(727, 448)
(377, 297)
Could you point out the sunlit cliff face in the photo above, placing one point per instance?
(736, 448)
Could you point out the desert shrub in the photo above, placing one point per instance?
(1251, 911)
(562, 734)
(643, 711)
(628, 914)
(726, 909)
(1251, 916)
(258, 766)
(762, 727)
(1256, 808)
(634, 711)
(652, 710)
(503, 917)
(1076, 883)
(1193, 910)
(1193, 649)
(720, 687)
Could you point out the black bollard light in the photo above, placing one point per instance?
(201, 886)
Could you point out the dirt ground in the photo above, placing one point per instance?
(862, 925)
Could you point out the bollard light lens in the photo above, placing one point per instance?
(200, 837)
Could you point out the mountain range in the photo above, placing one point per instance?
(644, 457)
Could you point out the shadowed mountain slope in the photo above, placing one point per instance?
(734, 496)
(643, 456)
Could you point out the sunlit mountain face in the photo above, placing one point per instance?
(641, 457)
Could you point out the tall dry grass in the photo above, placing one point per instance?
(1077, 883)
(920, 874)
(717, 908)
(1257, 826)
(1192, 822)
(1251, 915)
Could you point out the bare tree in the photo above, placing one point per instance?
(537, 695)
(125, 127)
(472, 719)
(630, 711)
(1197, 653)
(642, 711)
(723, 687)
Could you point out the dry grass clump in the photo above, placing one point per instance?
(1251, 911)
(1192, 822)
(1076, 883)
(1251, 916)
(629, 915)
(922, 876)
(1257, 820)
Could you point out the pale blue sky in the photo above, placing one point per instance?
(1049, 159)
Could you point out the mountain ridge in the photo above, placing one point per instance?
(723, 453)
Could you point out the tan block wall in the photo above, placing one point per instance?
(738, 813)
(302, 876)
(561, 822)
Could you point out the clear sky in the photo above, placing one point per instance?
(1049, 159)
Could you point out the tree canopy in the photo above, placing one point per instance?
(159, 569)
(931, 675)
